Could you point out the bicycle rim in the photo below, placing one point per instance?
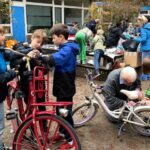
(145, 116)
(26, 139)
(84, 113)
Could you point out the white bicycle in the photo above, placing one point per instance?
(138, 116)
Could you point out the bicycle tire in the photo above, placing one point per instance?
(24, 140)
(139, 129)
(86, 111)
(13, 106)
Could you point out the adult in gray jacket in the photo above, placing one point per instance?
(124, 78)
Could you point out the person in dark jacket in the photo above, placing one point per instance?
(5, 77)
(117, 81)
(64, 62)
(37, 39)
(144, 39)
(124, 78)
(113, 36)
(92, 25)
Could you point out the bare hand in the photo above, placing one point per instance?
(131, 103)
(145, 99)
(34, 54)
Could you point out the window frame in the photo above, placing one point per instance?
(24, 3)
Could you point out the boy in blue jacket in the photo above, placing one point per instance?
(5, 77)
(64, 62)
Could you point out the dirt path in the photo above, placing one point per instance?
(99, 134)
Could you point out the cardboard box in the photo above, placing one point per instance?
(133, 59)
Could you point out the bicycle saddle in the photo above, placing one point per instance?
(130, 94)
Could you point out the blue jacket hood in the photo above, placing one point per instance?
(73, 45)
(65, 58)
(147, 26)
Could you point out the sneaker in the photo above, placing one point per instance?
(79, 62)
(84, 62)
(65, 146)
(58, 138)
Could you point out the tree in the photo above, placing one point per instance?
(116, 10)
(4, 12)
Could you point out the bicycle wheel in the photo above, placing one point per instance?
(26, 139)
(144, 114)
(84, 113)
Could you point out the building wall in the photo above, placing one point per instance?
(45, 13)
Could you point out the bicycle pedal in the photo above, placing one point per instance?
(11, 115)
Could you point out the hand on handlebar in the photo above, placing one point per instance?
(34, 54)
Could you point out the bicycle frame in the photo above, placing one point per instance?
(39, 77)
(13, 93)
(38, 87)
(118, 114)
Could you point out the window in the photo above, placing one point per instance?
(57, 2)
(40, 1)
(73, 2)
(38, 17)
(144, 12)
(58, 15)
(5, 16)
(4, 13)
(86, 3)
(17, 0)
(72, 15)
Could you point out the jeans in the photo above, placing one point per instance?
(144, 55)
(97, 58)
(1, 124)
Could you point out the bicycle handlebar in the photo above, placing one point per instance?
(90, 78)
(16, 52)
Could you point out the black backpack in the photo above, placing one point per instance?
(130, 45)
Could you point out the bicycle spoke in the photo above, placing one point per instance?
(47, 137)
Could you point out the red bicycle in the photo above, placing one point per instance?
(16, 109)
(38, 129)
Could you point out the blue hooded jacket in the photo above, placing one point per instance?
(2, 63)
(144, 38)
(65, 68)
(5, 76)
(65, 58)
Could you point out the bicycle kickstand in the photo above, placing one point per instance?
(120, 130)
